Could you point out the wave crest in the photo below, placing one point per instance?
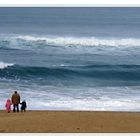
(72, 45)
(5, 65)
(82, 41)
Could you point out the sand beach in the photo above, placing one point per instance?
(69, 122)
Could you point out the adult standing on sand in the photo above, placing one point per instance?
(15, 101)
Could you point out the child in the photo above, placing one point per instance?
(8, 105)
(23, 106)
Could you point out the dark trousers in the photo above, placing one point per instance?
(15, 107)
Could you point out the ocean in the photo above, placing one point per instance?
(64, 58)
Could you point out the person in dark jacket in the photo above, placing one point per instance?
(23, 106)
(15, 101)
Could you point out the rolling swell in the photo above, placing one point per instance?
(24, 72)
(92, 72)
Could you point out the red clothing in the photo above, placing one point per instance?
(8, 105)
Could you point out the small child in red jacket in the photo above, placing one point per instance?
(8, 105)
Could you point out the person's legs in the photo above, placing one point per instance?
(17, 108)
(14, 108)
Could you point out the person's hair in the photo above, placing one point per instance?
(16, 92)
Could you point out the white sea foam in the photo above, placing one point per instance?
(53, 98)
(89, 104)
(103, 99)
(83, 41)
(5, 65)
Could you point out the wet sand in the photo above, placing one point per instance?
(69, 122)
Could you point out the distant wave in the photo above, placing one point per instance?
(26, 42)
(4, 65)
(82, 41)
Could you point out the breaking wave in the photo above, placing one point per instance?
(40, 42)
(82, 41)
(5, 65)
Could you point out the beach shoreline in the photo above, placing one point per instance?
(38, 121)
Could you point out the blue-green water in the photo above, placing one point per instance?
(71, 58)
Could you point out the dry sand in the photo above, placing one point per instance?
(69, 122)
